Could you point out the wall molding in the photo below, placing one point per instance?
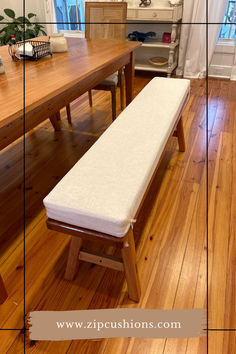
(223, 71)
(223, 60)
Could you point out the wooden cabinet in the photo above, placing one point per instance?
(158, 13)
(161, 11)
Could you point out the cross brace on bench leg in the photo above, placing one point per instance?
(127, 263)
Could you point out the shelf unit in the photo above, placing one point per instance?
(155, 44)
(157, 13)
(148, 67)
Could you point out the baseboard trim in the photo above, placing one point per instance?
(220, 71)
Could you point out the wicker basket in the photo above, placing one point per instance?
(40, 49)
(158, 61)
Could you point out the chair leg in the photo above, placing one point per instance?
(130, 267)
(68, 111)
(180, 135)
(3, 292)
(121, 84)
(122, 93)
(113, 102)
(73, 258)
(90, 98)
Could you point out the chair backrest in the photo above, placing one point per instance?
(111, 18)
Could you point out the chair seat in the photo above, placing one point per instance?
(104, 189)
(111, 80)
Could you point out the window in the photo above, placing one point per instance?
(228, 29)
(69, 11)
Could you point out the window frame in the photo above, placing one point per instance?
(72, 32)
(228, 41)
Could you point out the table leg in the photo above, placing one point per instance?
(129, 79)
(54, 121)
(58, 114)
(3, 292)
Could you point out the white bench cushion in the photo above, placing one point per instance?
(103, 190)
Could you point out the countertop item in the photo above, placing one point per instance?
(158, 61)
(58, 43)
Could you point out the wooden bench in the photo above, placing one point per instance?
(100, 197)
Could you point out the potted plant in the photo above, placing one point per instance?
(20, 27)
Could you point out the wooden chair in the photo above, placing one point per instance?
(106, 20)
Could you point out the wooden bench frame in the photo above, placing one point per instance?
(126, 243)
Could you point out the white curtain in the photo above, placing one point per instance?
(50, 16)
(192, 51)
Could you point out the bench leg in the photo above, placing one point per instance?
(73, 258)
(180, 135)
(3, 292)
(130, 267)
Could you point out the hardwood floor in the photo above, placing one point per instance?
(170, 232)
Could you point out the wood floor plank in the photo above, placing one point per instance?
(8, 339)
(222, 342)
(219, 232)
(191, 271)
(166, 270)
(199, 345)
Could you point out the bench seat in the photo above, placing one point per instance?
(104, 189)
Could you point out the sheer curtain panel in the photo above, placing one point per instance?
(192, 54)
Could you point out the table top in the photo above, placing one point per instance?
(51, 76)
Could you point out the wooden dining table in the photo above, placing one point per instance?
(32, 91)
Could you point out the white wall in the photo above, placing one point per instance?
(223, 60)
(35, 6)
(15, 5)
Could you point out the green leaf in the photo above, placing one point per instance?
(1, 18)
(36, 30)
(20, 19)
(44, 33)
(12, 26)
(10, 13)
(6, 39)
(30, 15)
(19, 36)
(27, 36)
(23, 19)
(10, 31)
(30, 33)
